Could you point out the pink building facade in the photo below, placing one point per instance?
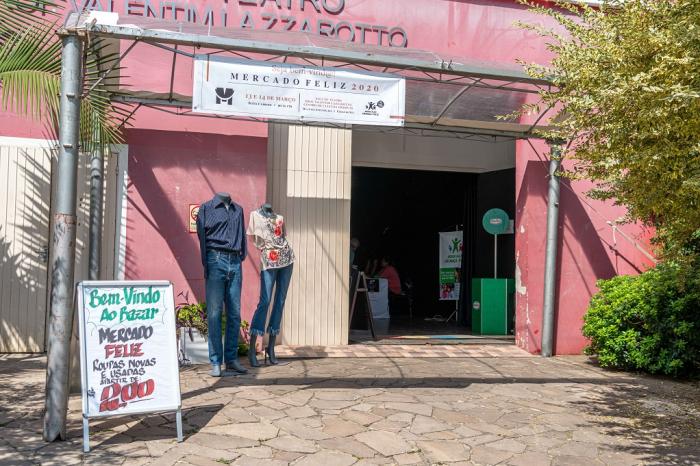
(175, 160)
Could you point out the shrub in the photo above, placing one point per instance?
(648, 322)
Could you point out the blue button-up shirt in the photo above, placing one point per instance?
(221, 229)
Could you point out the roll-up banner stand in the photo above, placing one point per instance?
(450, 262)
(128, 350)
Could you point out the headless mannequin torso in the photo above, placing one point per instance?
(226, 198)
(266, 210)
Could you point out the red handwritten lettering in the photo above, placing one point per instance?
(115, 396)
(131, 350)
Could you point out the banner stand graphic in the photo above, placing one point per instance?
(450, 262)
(128, 351)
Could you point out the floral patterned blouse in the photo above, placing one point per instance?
(270, 237)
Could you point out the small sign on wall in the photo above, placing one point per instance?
(192, 217)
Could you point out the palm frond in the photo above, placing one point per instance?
(30, 68)
(102, 120)
(18, 15)
(30, 76)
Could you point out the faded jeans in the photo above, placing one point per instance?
(223, 286)
(279, 278)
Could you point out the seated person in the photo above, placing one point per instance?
(388, 271)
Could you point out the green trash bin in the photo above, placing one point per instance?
(492, 306)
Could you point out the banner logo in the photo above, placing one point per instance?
(224, 95)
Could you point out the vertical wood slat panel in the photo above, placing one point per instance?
(109, 209)
(9, 246)
(6, 236)
(302, 162)
(45, 160)
(318, 163)
(24, 211)
(4, 266)
(15, 223)
(35, 321)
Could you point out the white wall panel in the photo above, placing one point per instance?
(308, 181)
(25, 199)
(26, 190)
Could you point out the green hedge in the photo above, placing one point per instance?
(649, 322)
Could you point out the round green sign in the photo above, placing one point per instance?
(496, 221)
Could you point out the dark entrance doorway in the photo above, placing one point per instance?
(397, 214)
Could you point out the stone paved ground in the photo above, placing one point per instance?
(360, 411)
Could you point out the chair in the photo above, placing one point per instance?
(406, 297)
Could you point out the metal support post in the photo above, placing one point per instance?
(178, 424)
(552, 241)
(495, 256)
(96, 210)
(86, 434)
(63, 266)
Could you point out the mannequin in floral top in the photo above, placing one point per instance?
(269, 236)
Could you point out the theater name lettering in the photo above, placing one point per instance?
(271, 15)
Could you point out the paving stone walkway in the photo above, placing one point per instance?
(403, 351)
(362, 411)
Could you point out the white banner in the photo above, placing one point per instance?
(294, 92)
(128, 348)
(450, 263)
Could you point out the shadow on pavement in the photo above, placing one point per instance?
(664, 428)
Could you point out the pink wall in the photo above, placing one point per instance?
(177, 160)
(168, 170)
(588, 251)
(15, 126)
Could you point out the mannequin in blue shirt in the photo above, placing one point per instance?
(222, 242)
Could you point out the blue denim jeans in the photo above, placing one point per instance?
(223, 286)
(280, 278)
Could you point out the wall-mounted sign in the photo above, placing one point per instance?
(128, 350)
(192, 212)
(298, 93)
(450, 258)
(261, 15)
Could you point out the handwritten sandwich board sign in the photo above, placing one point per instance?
(128, 350)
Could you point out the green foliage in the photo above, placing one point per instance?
(193, 316)
(30, 73)
(627, 95)
(648, 322)
(244, 341)
(17, 15)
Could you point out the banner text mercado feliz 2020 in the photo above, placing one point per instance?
(128, 348)
(298, 93)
